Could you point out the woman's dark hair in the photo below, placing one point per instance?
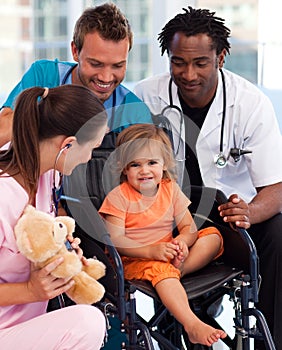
(193, 22)
(41, 114)
(107, 20)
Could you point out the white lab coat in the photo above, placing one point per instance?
(250, 123)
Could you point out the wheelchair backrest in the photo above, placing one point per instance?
(94, 172)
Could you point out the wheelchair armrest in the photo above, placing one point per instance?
(240, 250)
(254, 261)
(116, 260)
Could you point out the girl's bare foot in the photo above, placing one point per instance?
(177, 262)
(201, 333)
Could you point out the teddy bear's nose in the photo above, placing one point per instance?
(61, 225)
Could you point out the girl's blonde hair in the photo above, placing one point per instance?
(144, 136)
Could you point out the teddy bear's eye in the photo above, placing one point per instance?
(61, 225)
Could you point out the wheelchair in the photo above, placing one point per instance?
(235, 274)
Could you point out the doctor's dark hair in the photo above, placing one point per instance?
(193, 22)
(107, 20)
(41, 114)
(144, 136)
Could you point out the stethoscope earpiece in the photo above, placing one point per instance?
(67, 146)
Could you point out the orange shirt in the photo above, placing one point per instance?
(146, 219)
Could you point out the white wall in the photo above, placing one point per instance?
(270, 40)
(171, 9)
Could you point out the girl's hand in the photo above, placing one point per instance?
(43, 286)
(164, 251)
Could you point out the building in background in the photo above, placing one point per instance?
(16, 41)
(35, 29)
(241, 17)
(50, 29)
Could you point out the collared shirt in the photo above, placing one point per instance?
(250, 124)
(123, 106)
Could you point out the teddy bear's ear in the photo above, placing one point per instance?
(24, 244)
(29, 210)
(68, 221)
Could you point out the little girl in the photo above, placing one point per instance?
(140, 214)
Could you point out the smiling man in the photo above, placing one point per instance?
(98, 68)
(101, 41)
(226, 136)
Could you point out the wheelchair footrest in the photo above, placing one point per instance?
(251, 333)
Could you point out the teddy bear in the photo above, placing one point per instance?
(41, 239)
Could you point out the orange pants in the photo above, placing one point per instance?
(155, 270)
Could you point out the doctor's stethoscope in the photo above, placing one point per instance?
(220, 160)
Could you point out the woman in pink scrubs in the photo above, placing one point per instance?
(53, 130)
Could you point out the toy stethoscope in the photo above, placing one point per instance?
(220, 160)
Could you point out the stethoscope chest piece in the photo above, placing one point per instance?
(220, 160)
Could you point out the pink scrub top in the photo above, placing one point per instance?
(14, 267)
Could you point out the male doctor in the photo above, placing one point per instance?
(229, 139)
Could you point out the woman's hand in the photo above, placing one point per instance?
(75, 242)
(235, 211)
(43, 286)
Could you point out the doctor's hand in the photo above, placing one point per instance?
(75, 242)
(235, 212)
